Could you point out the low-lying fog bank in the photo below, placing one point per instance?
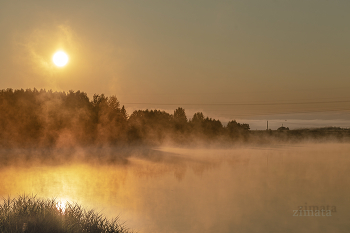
(171, 189)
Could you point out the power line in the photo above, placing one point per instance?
(241, 104)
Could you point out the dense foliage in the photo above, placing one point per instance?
(32, 118)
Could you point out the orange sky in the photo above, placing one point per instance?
(230, 59)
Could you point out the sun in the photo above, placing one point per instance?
(60, 58)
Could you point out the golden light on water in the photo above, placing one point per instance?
(60, 59)
(61, 206)
(200, 189)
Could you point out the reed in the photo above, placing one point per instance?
(31, 214)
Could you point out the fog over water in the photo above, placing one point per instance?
(166, 189)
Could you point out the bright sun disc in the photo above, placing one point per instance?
(60, 58)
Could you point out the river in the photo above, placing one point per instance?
(166, 189)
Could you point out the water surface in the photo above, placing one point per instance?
(247, 189)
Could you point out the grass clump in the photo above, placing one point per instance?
(30, 214)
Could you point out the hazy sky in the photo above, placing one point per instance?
(229, 59)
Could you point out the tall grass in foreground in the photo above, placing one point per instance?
(30, 214)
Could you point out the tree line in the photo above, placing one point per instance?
(32, 118)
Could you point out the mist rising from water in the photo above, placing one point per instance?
(167, 189)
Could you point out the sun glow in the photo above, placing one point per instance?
(60, 59)
(61, 206)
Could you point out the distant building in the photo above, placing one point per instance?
(282, 128)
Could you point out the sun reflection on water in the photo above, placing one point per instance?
(215, 189)
(61, 206)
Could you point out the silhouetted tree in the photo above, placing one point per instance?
(153, 125)
(180, 120)
(30, 118)
(198, 118)
(212, 128)
(237, 130)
